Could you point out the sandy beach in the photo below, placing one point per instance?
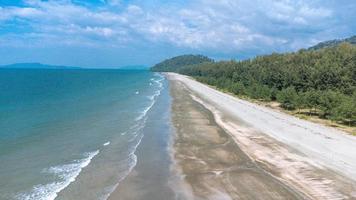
(228, 148)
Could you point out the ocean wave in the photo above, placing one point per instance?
(136, 133)
(158, 81)
(132, 163)
(152, 97)
(131, 160)
(144, 112)
(66, 174)
(135, 129)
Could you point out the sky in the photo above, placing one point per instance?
(113, 33)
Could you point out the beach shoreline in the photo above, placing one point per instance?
(203, 116)
(149, 178)
(215, 150)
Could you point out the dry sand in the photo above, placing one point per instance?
(228, 148)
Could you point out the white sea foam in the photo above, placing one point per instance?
(144, 112)
(152, 98)
(132, 159)
(66, 174)
(136, 133)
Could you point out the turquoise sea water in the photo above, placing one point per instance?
(71, 134)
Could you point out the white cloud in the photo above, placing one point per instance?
(225, 25)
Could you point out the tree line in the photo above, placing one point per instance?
(320, 82)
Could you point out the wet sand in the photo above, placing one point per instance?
(149, 179)
(212, 163)
(220, 155)
(222, 148)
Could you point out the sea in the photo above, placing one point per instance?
(73, 133)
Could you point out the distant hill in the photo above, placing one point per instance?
(332, 43)
(174, 64)
(35, 66)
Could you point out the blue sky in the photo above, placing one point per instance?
(112, 33)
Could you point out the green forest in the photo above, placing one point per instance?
(322, 82)
(174, 64)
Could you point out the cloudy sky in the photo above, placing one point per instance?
(112, 33)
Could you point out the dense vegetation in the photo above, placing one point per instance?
(332, 43)
(176, 63)
(321, 82)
